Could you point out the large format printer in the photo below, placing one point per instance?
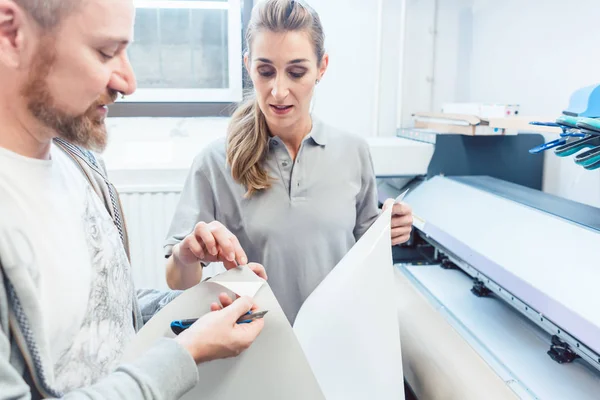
(498, 293)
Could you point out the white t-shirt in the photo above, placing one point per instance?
(58, 228)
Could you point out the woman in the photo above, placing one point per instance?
(293, 193)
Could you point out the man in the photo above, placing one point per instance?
(67, 304)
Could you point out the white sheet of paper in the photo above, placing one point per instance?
(348, 327)
(345, 343)
(273, 368)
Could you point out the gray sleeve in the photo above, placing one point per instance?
(195, 204)
(367, 209)
(165, 372)
(152, 301)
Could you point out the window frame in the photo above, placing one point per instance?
(204, 102)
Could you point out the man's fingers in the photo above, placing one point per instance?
(247, 333)
(251, 331)
(239, 307)
(225, 300)
(203, 234)
(215, 307)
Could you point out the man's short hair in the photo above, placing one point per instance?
(48, 13)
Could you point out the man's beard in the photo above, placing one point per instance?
(87, 130)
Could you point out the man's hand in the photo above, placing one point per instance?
(224, 301)
(402, 220)
(210, 243)
(217, 335)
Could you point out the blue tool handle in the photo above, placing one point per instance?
(547, 146)
(573, 133)
(541, 123)
(551, 124)
(181, 325)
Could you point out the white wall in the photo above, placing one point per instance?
(538, 52)
(418, 60)
(359, 91)
(509, 51)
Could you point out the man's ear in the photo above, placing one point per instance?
(12, 34)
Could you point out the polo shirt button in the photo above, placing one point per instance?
(285, 164)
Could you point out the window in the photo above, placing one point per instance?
(187, 51)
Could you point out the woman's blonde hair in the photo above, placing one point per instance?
(248, 133)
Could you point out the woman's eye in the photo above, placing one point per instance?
(266, 74)
(297, 72)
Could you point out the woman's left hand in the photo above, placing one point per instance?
(258, 269)
(402, 220)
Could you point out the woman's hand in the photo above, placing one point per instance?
(211, 242)
(402, 220)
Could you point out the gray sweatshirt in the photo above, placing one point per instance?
(167, 371)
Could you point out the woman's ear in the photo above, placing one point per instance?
(323, 66)
(247, 62)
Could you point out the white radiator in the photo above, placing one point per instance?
(148, 214)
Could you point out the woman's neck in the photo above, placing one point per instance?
(292, 137)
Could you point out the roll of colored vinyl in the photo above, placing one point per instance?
(593, 166)
(590, 124)
(588, 157)
(576, 146)
(567, 120)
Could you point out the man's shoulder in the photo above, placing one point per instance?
(93, 172)
(81, 155)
